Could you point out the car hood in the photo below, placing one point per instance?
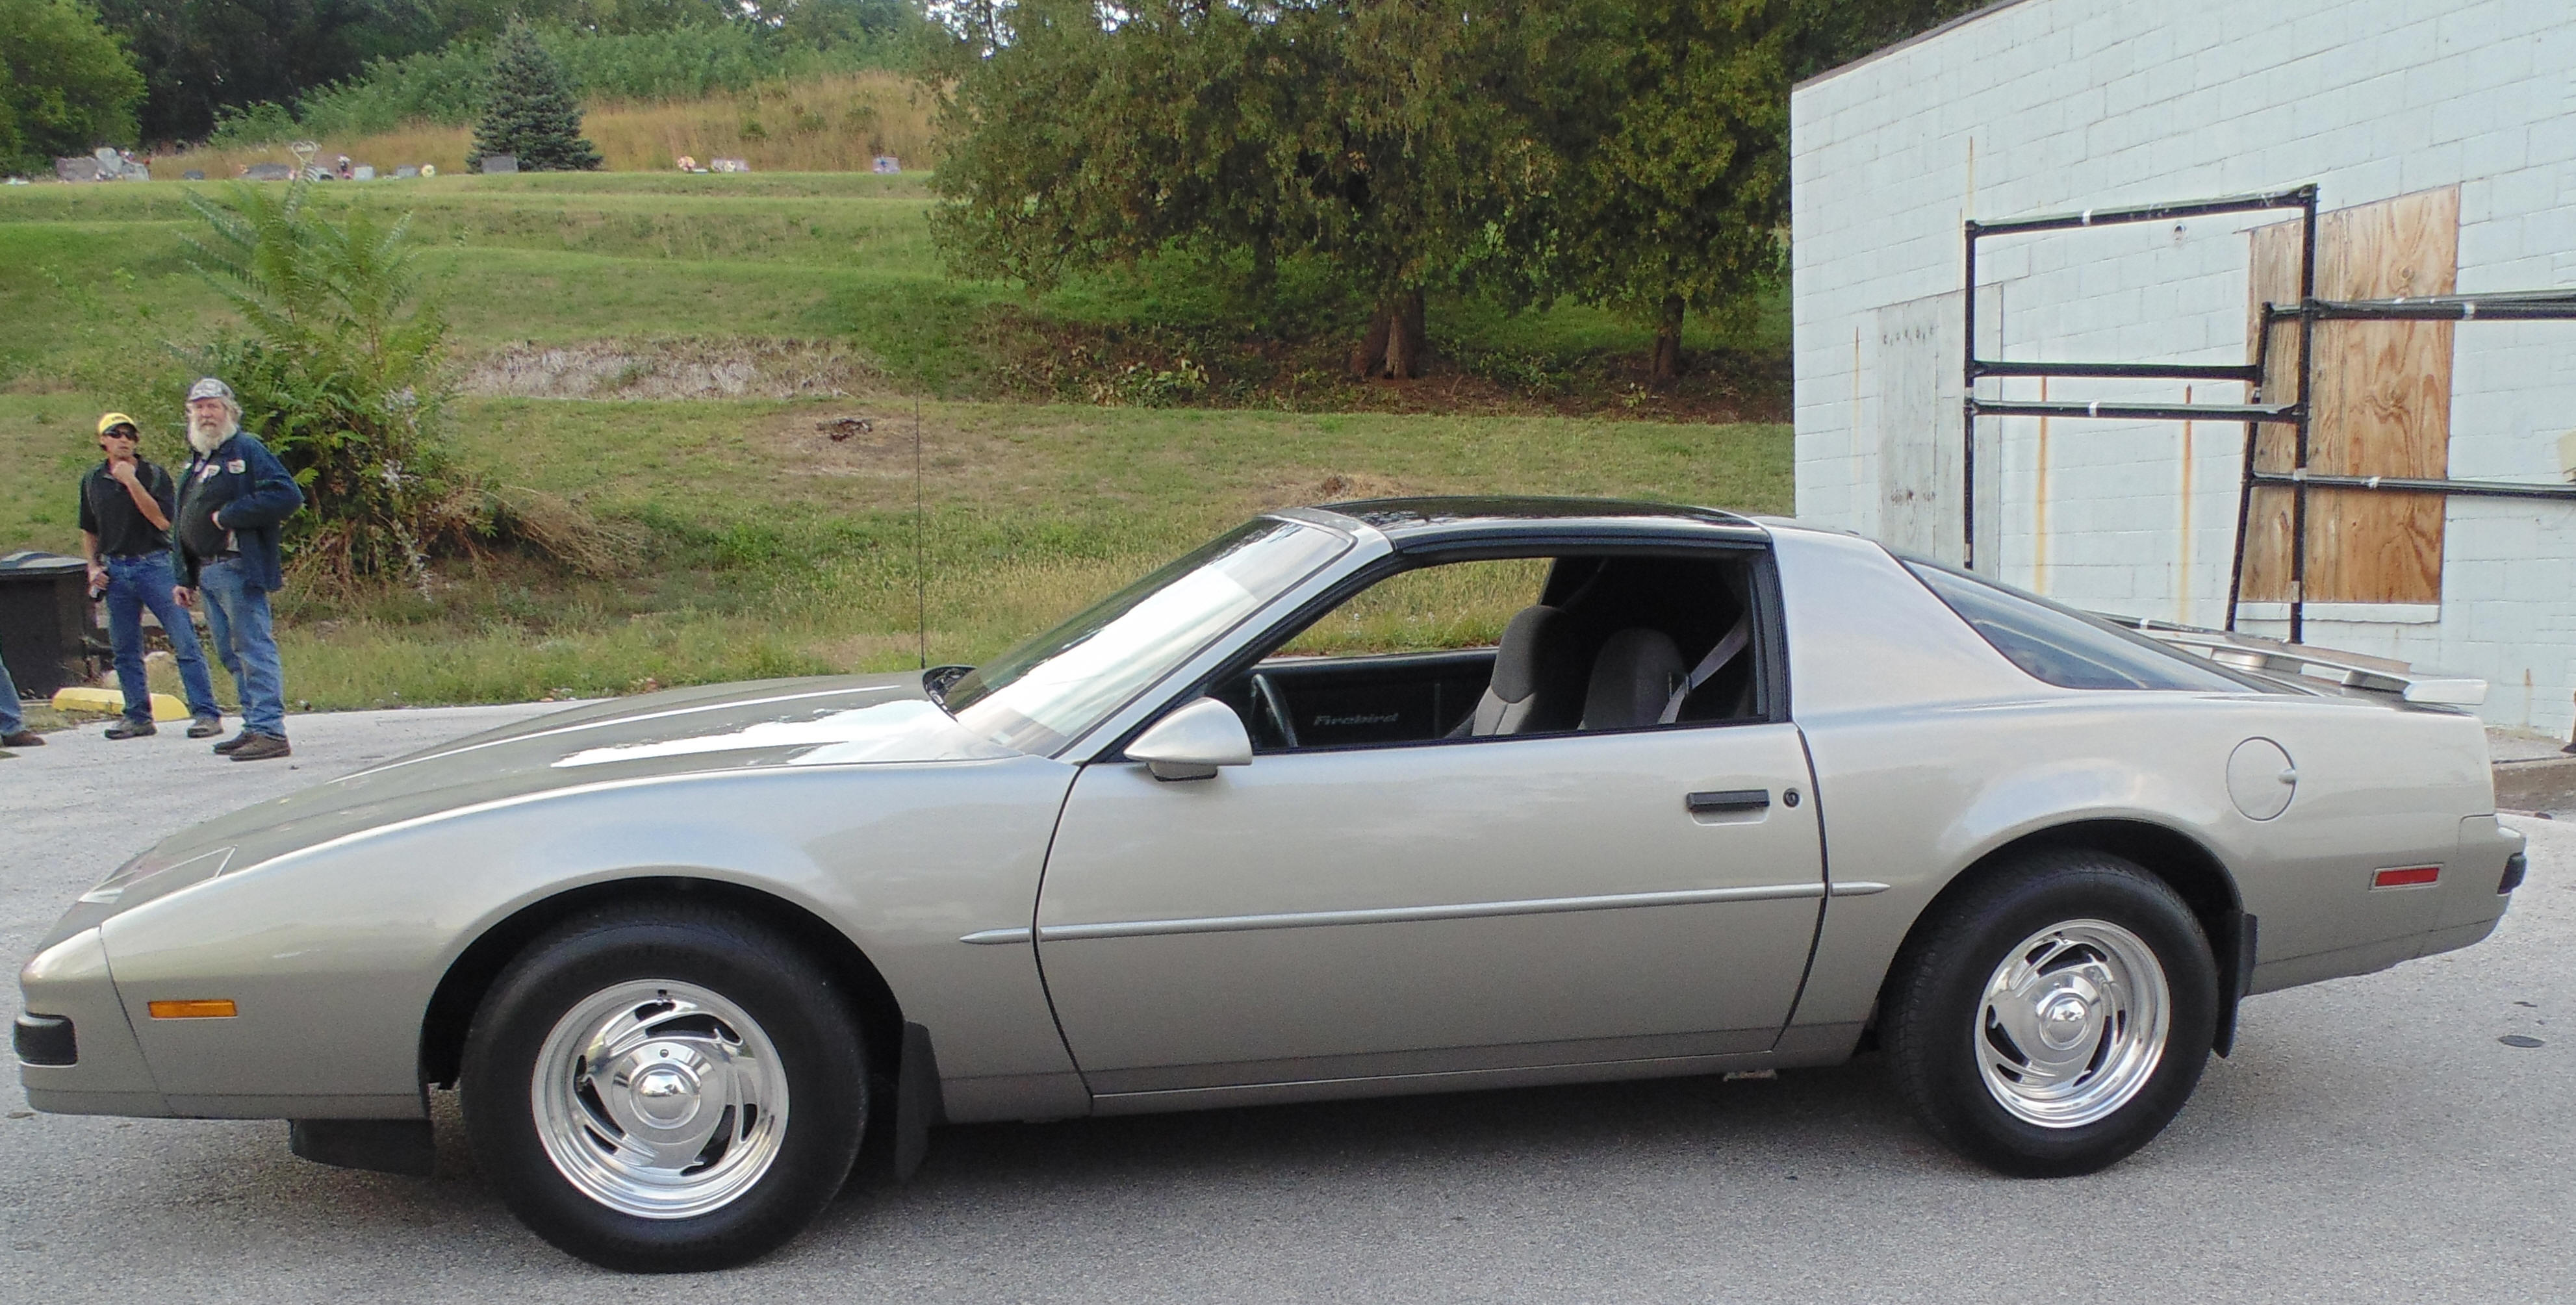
(842, 720)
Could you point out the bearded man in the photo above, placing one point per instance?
(232, 499)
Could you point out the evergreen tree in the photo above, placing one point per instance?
(528, 111)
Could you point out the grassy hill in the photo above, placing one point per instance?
(660, 349)
(834, 123)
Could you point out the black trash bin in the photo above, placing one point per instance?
(44, 621)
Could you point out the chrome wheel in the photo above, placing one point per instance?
(659, 1099)
(2072, 1024)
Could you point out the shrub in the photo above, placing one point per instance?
(253, 124)
(339, 371)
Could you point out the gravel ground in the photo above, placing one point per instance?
(2372, 1139)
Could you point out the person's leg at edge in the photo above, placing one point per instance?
(195, 680)
(13, 723)
(125, 632)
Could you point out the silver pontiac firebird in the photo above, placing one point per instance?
(1724, 794)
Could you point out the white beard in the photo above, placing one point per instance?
(206, 438)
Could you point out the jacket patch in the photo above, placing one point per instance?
(237, 466)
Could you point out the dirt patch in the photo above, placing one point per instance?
(683, 368)
(1308, 490)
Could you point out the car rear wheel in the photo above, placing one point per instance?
(2055, 1017)
(664, 1088)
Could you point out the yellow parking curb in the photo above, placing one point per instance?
(112, 702)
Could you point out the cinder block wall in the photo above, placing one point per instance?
(2049, 105)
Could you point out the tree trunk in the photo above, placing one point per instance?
(1404, 344)
(1394, 347)
(1668, 342)
(1370, 356)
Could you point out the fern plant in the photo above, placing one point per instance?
(341, 370)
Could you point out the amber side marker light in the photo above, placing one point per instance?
(218, 1008)
(2414, 876)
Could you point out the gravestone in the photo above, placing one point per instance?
(500, 165)
(730, 165)
(889, 163)
(135, 172)
(193, 174)
(78, 167)
(407, 171)
(268, 172)
(365, 172)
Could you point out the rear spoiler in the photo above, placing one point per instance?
(2348, 670)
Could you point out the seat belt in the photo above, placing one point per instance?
(1709, 666)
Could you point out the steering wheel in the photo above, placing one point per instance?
(1275, 707)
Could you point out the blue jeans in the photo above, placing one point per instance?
(11, 720)
(133, 585)
(237, 615)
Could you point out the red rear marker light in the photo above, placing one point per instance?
(2414, 876)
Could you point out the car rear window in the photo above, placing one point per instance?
(2063, 646)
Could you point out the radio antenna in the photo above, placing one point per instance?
(920, 566)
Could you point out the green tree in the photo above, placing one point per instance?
(66, 85)
(1680, 203)
(200, 56)
(1390, 138)
(528, 111)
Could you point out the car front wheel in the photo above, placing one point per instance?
(664, 1088)
(2055, 1017)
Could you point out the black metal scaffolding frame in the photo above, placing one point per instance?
(2505, 306)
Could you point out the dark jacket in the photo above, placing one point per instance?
(108, 511)
(251, 493)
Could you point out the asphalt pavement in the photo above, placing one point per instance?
(2372, 1139)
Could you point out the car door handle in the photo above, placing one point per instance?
(1731, 799)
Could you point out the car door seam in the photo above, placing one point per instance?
(1824, 879)
(1037, 955)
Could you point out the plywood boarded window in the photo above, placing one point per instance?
(2382, 404)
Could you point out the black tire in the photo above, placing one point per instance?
(1934, 1018)
(796, 1005)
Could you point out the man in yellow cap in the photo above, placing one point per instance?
(125, 512)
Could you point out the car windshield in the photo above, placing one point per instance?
(1045, 692)
(2066, 647)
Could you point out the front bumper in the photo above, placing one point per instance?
(70, 981)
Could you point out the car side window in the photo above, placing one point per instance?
(1430, 609)
(1499, 648)
(2064, 647)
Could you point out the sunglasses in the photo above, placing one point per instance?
(119, 433)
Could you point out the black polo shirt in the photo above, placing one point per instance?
(108, 511)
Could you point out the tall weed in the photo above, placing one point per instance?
(836, 122)
(446, 85)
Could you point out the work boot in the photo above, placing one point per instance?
(235, 743)
(262, 747)
(205, 727)
(132, 729)
(22, 739)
